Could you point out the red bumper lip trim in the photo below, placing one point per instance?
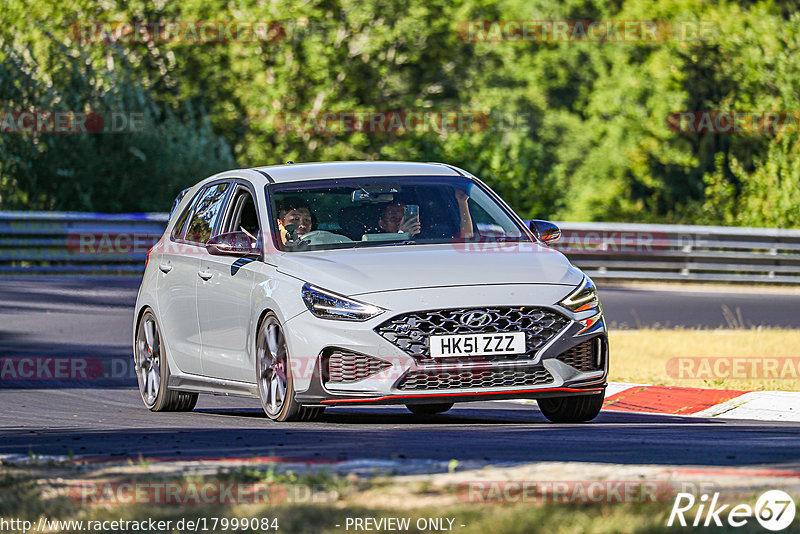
(378, 399)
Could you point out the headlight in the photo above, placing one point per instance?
(327, 305)
(584, 298)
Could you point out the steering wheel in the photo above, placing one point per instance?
(323, 237)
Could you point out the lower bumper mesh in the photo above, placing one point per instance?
(345, 366)
(476, 378)
(584, 357)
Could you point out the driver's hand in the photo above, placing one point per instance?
(282, 231)
(411, 226)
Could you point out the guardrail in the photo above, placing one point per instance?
(95, 244)
(77, 243)
(623, 251)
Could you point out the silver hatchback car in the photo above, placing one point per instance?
(363, 283)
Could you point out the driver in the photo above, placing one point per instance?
(294, 211)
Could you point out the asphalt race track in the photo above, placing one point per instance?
(114, 423)
(94, 317)
(69, 318)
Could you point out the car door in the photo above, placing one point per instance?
(177, 295)
(224, 293)
(181, 271)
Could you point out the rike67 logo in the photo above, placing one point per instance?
(774, 511)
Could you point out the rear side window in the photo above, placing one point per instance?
(178, 201)
(177, 230)
(208, 207)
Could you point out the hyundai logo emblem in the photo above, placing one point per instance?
(476, 319)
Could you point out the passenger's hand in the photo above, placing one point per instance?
(411, 226)
(466, 230)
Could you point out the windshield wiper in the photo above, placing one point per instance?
(362, 244)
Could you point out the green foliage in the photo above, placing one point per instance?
(127, 171)
(579, 129)
(140, 168)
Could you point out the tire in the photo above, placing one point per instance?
(574, 409)
(152, 370)
(429, 409)
(274, 375)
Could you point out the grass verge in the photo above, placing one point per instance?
(757, 360)
(28, 495)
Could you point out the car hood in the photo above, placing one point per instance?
(385, 268)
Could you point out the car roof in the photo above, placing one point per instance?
(294, 172)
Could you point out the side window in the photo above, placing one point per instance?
(205, 214)
(178, 200)
(243, 214)
(180, 224)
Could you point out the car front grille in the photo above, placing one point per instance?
(476, 378)
(345, 366)
(410, 331)
(583, 357)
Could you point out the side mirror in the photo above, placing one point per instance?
(233, 244)
(546, 231)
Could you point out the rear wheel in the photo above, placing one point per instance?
(152, 370)
(429, 409)
(575, 409)
(274, 375)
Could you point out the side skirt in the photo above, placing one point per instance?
(212, 386)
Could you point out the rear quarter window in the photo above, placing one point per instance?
(206, 210)
(178, 229)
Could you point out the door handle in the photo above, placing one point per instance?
(205, 275)
(164, 267)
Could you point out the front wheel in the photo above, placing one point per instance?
(274, 375)
(575, 409)
(429, 409)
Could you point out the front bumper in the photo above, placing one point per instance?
(338, 363)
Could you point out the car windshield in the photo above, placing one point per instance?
(365, 212)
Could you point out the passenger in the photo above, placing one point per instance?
(392, 220)
(294, 211)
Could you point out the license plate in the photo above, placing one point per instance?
(477, 344)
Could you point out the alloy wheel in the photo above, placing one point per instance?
(272, 357)
(148, 359)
